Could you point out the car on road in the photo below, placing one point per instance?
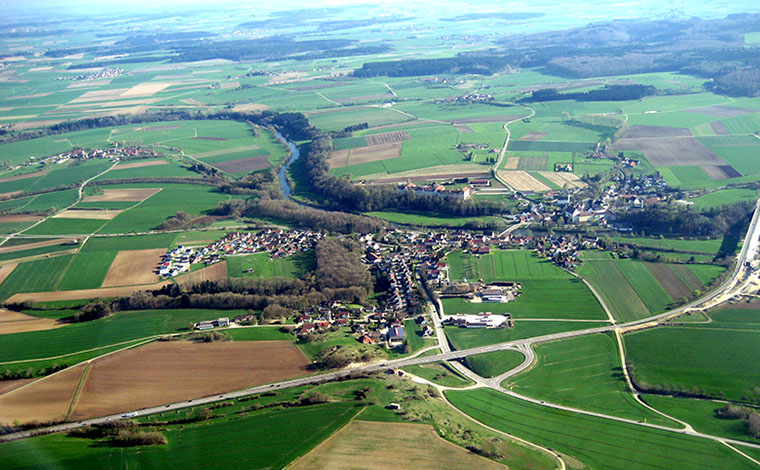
(129, 415)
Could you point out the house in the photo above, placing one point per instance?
(222, 322)
(493, 295)
(396, 335)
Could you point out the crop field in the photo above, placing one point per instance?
(147, 216)
(19, 255)
(64, 226)
(595, 442)
(268, 438)
(132, 267)
(45, 400)
(633, 289)
(34, 276)
(678, 356)
(122, 195)
(261, 265)
(440, 373)
(162, 372)
(334, 119)
(582, 373)
(86, 271)
(127, 243)
(494, 363)
(523, 181)
(374, 445)
(118, 328)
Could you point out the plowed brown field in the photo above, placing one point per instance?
(47, 399)
(215, 272)
(128, 195)
(168, 372)
(14, 322)
(133, 267)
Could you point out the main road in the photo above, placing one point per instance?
(746, 255)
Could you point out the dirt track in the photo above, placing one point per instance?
(133, 267)
(84, 293)
(163, 372)
(30, 246)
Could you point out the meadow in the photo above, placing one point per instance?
(594, 442)
(262, 265)
(677, 357)
(582, 373)
(412, 218)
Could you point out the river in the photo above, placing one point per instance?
(295, 154)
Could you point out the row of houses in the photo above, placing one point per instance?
(463, 193)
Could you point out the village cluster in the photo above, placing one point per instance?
(277, 242)
(105, 74)
(114, 153)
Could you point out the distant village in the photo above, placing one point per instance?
(105, 74)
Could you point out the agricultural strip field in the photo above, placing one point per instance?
(596, 442)
(123, 194)
(440, 373)
(86, 271)
(726, 196)
(633, 289)
(162, 372)
(15, 322)
(521, 180)
(713, 359)
(34, 276)
(582, 373)
(262, 265)
(133, 267)
(41, 401)
(268, 438)
(374, 445)
(84, 294)
(6, 248)
(709, 247)
(412, 218)
(118, 328)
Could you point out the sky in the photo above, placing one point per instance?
(592, 10)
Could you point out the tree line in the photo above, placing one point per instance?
(607, 93)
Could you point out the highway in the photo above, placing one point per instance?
(724, 291)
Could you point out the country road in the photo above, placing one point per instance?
(724, 291)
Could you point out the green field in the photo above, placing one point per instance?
(726, 196)
(87, 270)
(64, 226)
(710, 247)
(494, 363)
(430, 220)
(541, 282)
(35, 252)
(596, 442)
(35, 276)
(263, 439)
(140, 242)
(262, 265)
(701, 414)
(258, 333)
(582, 373)
(714, 359)
(118, 328)
(628, 289)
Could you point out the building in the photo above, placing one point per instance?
(396, 335)
(482, 320)
(493, 295)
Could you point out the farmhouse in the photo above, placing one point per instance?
(482, 320)
(396, 336)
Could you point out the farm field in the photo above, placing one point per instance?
(132, 267)
(163, 372)
(373, 445)
(674, 357)
(15, 322)
(118, 328)
(42, 401)
(726, 196)
(633, 289)
(595, 442)
(702, 415)
(540, 280)
(440, 373)
(34, 276)
(412, 218)
(710, 247)
(582, 373)
(268, 438)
